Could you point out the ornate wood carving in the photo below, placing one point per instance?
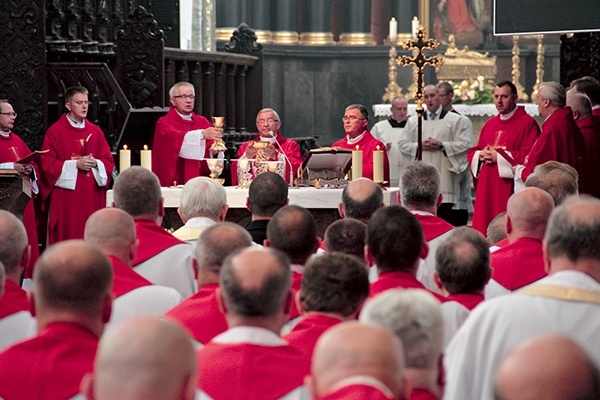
(243, 41)
(579, 56)
(22, 75)
(140, 59)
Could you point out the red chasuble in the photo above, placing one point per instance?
(12, 149)
(518, 264)
(590, 129)
(399, 280)
(560, 140)
(153, 240)
(13, 300)
(70, 209)
(200, 314)
(368, 144)
(49, 366)
(515, 135)
(168, 138)
(125, 278)
(289, 146)
(422, 394)
(469, 300)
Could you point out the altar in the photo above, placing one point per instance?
(322, 203)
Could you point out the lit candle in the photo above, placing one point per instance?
(146, 156)
(124, 159)
(378, 165)
(393, 29)
(415, 27)
(356, 163)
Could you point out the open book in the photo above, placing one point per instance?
(31, 157)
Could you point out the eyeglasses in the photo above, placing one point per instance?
(12, 114)
(185, 96)
(268, 121)
(350, 118)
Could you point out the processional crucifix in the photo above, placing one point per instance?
(421, 61)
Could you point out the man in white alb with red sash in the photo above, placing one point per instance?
(521, 261)
(16, 322)
(250, 360)
(566, 302)
(346, 366)
(113, 231)
(201, 314)
(72, 302)
(161, 258)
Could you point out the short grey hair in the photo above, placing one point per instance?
(558, 179)
(202, 196)
(178, 85)
(414, 316)
(264, 110)
(137, 192)
(554, 92)
(217, 242)
(420, 185)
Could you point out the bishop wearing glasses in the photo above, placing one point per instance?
(358, 137)
(182, 139)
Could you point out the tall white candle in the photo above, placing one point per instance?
(124, 159)
(378, 165)
(146, 158)
(415, 27)
(356, 163)
(393, 29)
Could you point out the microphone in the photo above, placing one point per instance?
(285, 157)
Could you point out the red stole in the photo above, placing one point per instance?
(125, 278)
(399, 280)
(519, 263)
(14, 299)
(356, 392)
(200, 314)
(153, 240)
(469, 300)
(433, 226)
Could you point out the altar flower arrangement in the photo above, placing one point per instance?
(473, 91)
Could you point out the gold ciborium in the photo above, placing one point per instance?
(216, 167)
(218, 145)
(244, 175)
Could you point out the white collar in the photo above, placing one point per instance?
(5, 134)
(504, 117)
(74, 123)
(364, 380)
(185, 117)
(437, 112)
(297, 268)
(571, 278)
(250, 335)
(419, 212)
(268, 139)
(199, 222)
(356, 139)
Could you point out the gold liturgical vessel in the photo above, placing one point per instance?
(218, 146)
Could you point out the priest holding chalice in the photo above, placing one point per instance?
(270, 150)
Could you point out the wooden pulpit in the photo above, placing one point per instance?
(15, 192)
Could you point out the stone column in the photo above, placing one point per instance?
(284, 22)
(357, 23)
(260, 19)
(316, 23)
(230, 14)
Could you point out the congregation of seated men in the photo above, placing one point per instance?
(396, 301)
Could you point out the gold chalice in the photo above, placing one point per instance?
(218, 145)
(216, 167)
(244, 176)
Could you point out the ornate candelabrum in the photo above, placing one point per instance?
(392, 90)
(539, 70)
(516, 72)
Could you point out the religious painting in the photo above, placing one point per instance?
(470, 21)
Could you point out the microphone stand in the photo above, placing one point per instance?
(286, 159)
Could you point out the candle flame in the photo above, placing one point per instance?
(125, 147)
(393, 19)
(356, 147)
(377, 148)
(145, 147)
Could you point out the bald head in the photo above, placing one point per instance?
(255, 284)
(13, 244)
(549, 367)
(360, 199)
(145, 358)
(580, 105)
(137, 192)
(342, 352)
(72, 276)
(293, 230)
(219, 241)
(527, 213)
(112, 231)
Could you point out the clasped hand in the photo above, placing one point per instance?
(488, 155)
(431, 144)
(23, 169)
(86, 163)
